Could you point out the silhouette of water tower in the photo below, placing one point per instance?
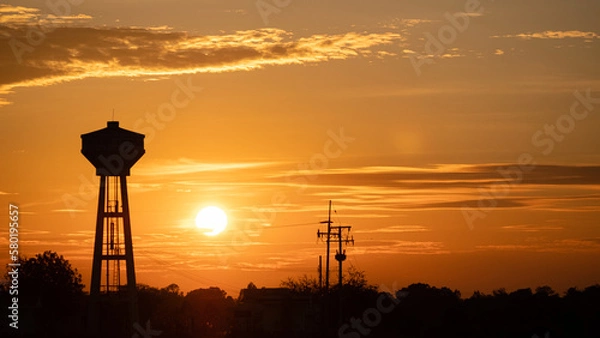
(113, 151)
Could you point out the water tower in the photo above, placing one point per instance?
(113, 151)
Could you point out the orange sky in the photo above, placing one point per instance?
(458, 138)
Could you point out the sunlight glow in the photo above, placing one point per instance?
(211, 218)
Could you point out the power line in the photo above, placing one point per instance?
(273, 227)
(185, 273)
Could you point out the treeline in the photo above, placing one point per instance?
(426, 311)
(52, 304)
(199, 313)
(421, 310)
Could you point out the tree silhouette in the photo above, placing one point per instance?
(302, 285)
(50, 294)
(208, 312)
(357, 279)
(48, 279)
(163, 308)
(354, 281)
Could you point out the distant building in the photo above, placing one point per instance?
(275, 312)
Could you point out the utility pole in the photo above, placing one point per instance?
(338, 235)
(320, 272)
(328, 241)
(340, 254)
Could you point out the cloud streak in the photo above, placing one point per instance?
(568, 245)
(70, 53)
(545, 35)
(395, 229)
(19, 16)
(444, 176)
(185, 166)
(371, 247)
(389, 189)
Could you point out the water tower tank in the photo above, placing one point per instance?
(112, 150)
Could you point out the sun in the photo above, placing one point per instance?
(213, 219)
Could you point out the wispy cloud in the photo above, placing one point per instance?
(184, 166)
(387, 190)
(69, 210)
(70, 53)
(472, 14)
(16, 16)
(457, 175)
(532, 228)
(400, 247)
(404, 24)
(558, 246)
(552, 35)
(394, 229)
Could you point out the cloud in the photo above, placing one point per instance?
(456, 175)
(414, 22)
(17, 16)
(248, 266)
(449, 53)
(567, 245)
(472, 14)
(405, 26)
(370, 247)
(185, 166)
(69, 210)
(389, 189)
(552, 35)
(531, 228)
(497, 203)
(395, 229)
(69, 53)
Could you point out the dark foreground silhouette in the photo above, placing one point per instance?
(51, 303)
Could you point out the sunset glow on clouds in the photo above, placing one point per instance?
(554, 35)
(69, 53)
(456, 143)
